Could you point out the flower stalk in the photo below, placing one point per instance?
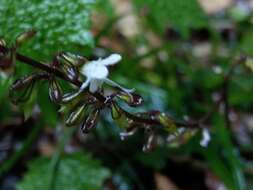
(68, 67)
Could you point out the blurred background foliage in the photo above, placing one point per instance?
(175, 54)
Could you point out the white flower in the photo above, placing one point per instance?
(205, 137)
(96, 73)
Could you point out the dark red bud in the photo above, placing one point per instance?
(66, 67)
(23, 82)
(132, 100)
(55, 92)
(76, 116)
(21, 89)
(70, 71)
(73, 59)
(91, 121)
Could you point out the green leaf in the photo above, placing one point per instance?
(76, 172)
(180, 14)
(61, 24)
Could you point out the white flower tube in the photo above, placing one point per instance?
(96, 73)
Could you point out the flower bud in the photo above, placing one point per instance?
(167, 122)
(123, 122)
(68, 98)
(70, 102)
(73, 98)
(164, 120)
(66, 67)
(22, 83)
(132, 100)
(70, 72)
(21, 89)
(182, 136)
(76, 116)
(91, 121)
(55, 92)
(73, 59)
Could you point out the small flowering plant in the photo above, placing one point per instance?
(84, 104)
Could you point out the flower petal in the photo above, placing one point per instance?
(95, 70)
(85, 84)
(95, 85)
(114, 84)
(111, 60)
(81, 89)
